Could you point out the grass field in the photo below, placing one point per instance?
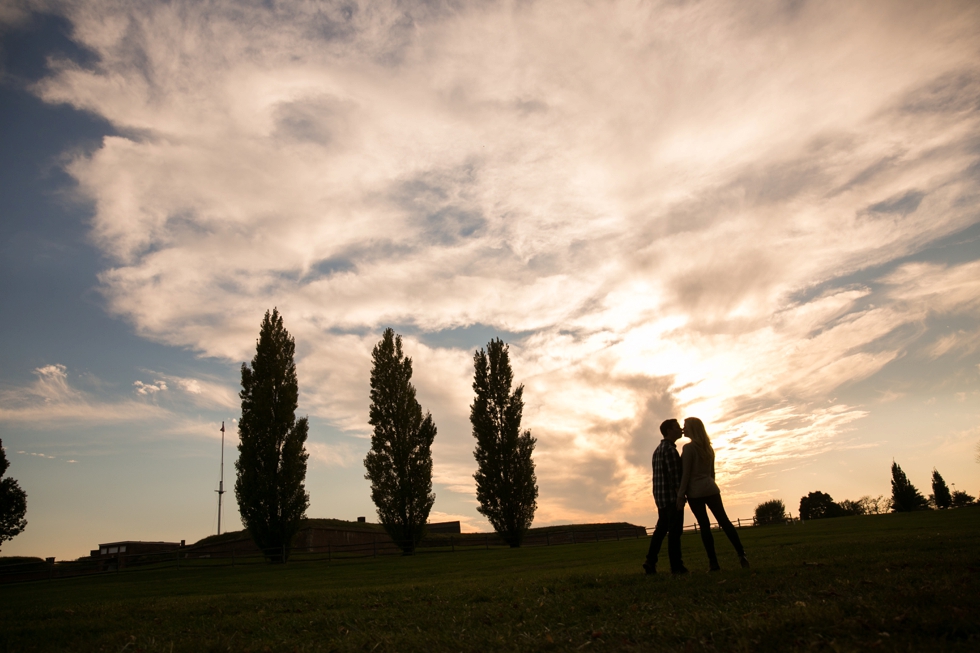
(905, 582)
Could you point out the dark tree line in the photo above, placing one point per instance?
(905, 498)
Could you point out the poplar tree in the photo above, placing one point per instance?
(399, 464)
(272, 457)
(940, 492)
(506, 486)
(905, 496)
(13, 503)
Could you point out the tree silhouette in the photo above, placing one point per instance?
(506, 486)
(849, 508)
(13, 503)
(818, 505)
(905, 496)
(874, 505)
(770, 512)
(940, 492)
(961, 498)
(272, 457)
(399, 464)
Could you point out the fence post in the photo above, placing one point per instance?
(573, 536)
(547, 539)
(486, 541)
(328, 552)
(596, 534)
(452, 546)
(375, 546)
(739, 522)
(233, 557)
(178, 560)
(617, 534)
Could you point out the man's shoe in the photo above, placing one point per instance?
(649, 569)
(679, 570)
(743, 561)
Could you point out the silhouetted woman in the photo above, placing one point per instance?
(698, 484)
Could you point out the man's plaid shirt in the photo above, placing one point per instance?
(666, 475)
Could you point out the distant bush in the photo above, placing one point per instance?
(770, 512)
(961, 498)
(878, 505)
(818, 505)
(848, 507)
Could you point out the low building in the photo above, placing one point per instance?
(114, 555)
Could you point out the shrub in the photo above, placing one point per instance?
(848, 507)
(961, 498)
(770, 512)
(818, 505)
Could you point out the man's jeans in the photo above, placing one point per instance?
(670, 524)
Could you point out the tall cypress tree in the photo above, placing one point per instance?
(905, 496)
(399, 464)
(506, 486)
(272, 457)
(940, 492)
(13, 503)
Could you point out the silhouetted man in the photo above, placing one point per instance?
(666, 481)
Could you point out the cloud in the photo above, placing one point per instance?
(333, 455)
(149, 388)
(52, 400)
(667, 201)
(206, 393)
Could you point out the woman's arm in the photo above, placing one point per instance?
(687, 463)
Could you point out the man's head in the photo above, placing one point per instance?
(671, 430)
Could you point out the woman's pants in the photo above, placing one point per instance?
(718, 510)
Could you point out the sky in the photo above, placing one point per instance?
(761, 214)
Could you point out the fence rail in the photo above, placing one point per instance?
(380, 545)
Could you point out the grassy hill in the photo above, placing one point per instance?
(230, 536)
(889, 582)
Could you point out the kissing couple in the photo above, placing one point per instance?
(691, 477)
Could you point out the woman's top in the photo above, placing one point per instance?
(698, 477)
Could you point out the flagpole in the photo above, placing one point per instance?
(221, 481)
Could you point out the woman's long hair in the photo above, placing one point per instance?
(694, 430)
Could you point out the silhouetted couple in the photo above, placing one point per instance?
(690, 476)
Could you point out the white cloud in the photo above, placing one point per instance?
(51, 399)
(149, 388)
(332, 455)
(654, 194)
(206, 393)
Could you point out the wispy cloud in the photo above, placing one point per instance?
(207, 393)
(667, 199)
(51, 399)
